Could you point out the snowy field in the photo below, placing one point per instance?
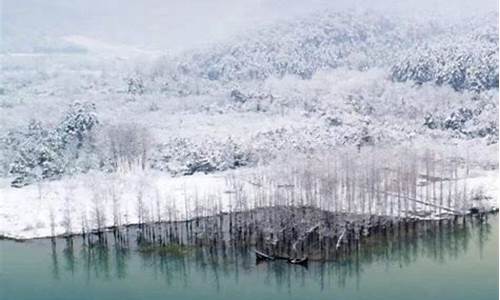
(70, 205)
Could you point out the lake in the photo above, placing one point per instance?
(441, 264)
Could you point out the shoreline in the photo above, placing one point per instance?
(388, 221)
(83, 203)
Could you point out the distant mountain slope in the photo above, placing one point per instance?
(300, 47)
(328, 40)
(466, 60)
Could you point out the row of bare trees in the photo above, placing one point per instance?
(392, 182)
(396, 183)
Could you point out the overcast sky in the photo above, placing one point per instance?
(174, 25)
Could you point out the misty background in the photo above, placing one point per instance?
(172, 26)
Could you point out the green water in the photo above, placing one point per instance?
(448, 265)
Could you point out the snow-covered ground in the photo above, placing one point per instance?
(31, 211)
(71, 205)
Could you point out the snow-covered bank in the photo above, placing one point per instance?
(98, 200)
(71, 205)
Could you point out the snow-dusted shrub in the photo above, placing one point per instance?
(77, 130)
(78, 122)
(480, 122)
(40, 155)
(250, 100)
(135, 85)
(457, 119)
(9, 144)
(185, 157)
(47, 153)
(318, 137)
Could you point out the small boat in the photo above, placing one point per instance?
(262, 256)
(299, 261)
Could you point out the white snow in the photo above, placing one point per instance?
(309, 85)
(26, 212)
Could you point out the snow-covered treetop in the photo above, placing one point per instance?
(415, 49)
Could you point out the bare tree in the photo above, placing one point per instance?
(128, 144)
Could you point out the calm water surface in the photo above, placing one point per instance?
(449, 264)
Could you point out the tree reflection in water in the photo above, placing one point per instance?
(224, 263)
